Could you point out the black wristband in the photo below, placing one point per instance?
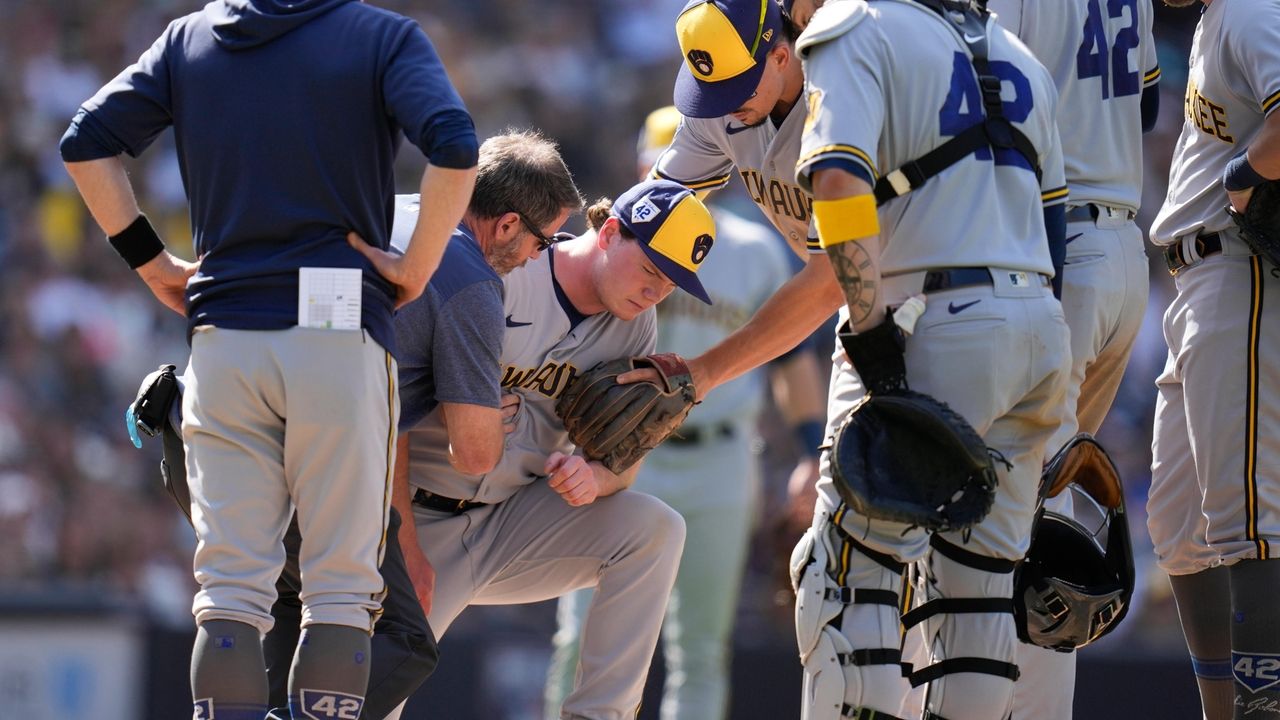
(1240, 175)
(877, 355)
(138, 244)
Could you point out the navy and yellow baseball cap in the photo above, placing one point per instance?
(724, 43)
(674, 229)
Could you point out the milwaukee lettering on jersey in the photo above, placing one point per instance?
(551, 379)
(1208, 116)
(777, 197)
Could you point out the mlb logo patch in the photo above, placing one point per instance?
(643, 211)
(1019, 279)
(203, 709)
(1255, 671)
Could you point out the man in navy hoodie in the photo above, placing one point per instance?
(287, 117)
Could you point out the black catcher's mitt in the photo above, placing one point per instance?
(906, 457)
(157, 411)
(1260, 222)
(617, 424)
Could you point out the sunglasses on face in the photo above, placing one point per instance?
(544, 242)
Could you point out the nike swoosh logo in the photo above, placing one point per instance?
(1073, 237)
(516, 323)
(954, 308)
(730, 129)
(971, 39)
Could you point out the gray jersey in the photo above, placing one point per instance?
(541, 353)
(705, 151)
(1232, 86)
(740, 276)
(1100, 69)
(921, 229)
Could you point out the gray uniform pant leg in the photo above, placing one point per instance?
(533, 546)
(1223, 335)
(1175, 520)
(719, 508)
(1104, 297)
(246, 473)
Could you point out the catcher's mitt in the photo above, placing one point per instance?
(1260, 222)
(157, 411)
(906, 457)
(617, 424)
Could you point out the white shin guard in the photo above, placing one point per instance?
(847, 627)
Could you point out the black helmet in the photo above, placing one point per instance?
(1076, 582)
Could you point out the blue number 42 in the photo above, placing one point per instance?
(1092, 57)
(963, 107)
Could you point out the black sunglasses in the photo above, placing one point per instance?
(544, 242)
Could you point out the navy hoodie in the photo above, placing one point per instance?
(287, 117)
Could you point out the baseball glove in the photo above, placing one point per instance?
(906, 457)
(157, 411)
(1260, 222)
(615, 424)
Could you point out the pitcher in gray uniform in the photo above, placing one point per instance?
(546, 521)
(1214, 507)
(954, 277)
(709, 471)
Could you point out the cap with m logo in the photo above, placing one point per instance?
(724, 43)
(673, 227)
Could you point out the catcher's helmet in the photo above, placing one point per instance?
(1075, 584)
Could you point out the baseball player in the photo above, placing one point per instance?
(739, 90)
(1101, 118)
(291, 210)
(991, 341)
(1214, 506)
(718, 507)
(546, 521)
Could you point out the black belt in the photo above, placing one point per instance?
(697, 435)
(1206, 245)
(1090, 212)
(432, 501)
(950, 279)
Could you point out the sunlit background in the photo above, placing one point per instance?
(95, 562)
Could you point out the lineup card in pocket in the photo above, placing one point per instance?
(329, 298)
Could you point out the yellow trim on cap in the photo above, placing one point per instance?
(688, 221)
(660, 128)
(705, 28)
(764, 13)
(850, 218)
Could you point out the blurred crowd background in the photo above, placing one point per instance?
(82, 513)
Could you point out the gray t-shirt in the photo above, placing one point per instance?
(451, 337)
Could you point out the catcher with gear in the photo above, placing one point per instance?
(967, 260)
(403, 647)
